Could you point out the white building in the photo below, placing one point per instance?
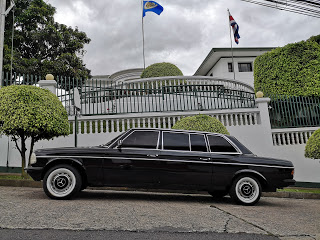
(218, 63)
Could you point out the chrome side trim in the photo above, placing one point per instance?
(171, 160)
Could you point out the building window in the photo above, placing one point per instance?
(230, 67)
(245, 67)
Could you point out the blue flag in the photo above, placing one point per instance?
(151, 6)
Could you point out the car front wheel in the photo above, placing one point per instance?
(245, 190)
(62, 182)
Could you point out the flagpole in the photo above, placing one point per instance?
(233, 67)
(144, 60)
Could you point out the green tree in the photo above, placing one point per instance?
(312, 149)
(201, 122)
(315, 39)
(161, 70)
(42, 45)
(292, 70)
(31, 112)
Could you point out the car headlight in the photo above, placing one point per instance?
(33, 158)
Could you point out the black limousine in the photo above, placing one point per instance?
(162, 159)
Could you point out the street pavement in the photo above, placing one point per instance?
(161, 213)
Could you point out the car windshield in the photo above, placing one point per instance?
(112, 141)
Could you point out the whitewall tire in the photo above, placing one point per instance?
(245, 190)
(62, 182)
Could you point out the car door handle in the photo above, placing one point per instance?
(152, 155)
(205, 159)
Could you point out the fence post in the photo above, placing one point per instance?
(262, 104)
(49, 84)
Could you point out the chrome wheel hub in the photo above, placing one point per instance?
(247, 190)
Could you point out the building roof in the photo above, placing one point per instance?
(217, 53)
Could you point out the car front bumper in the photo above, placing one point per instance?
(35, 172)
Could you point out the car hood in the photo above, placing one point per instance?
(69, 151)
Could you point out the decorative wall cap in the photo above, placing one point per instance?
(262, 100)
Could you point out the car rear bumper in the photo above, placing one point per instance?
(289, 182)
(35, 172)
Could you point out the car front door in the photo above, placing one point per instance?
(185, 162)
(132, 163)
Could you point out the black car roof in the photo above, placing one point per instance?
(174, 130)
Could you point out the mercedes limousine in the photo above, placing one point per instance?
(162, 159)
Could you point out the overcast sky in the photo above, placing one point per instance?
(183, 34)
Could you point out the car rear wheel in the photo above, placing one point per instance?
(62, 182)
(245, 190)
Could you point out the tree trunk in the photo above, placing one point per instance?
(22, 150)
(23, 157)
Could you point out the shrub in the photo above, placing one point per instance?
(292, 70)
(161, 70)
(312, 149)
(31, 112)
(201, 123)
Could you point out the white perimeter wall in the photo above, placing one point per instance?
(250, 126)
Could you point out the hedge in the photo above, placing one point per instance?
(201, 123)
(292, 70)
(161, 70)
(312, 149)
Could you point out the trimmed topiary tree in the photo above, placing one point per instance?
(161, 70)
(201, 122)
(292, 70)
(312, 149)
(31, 112)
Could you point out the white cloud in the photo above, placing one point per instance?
(183, 34)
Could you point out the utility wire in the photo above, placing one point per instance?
(305, 7)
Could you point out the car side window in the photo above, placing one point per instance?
(176, 141)
(219, 144)
(141, 139)
(198, 143)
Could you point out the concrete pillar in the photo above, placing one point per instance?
(262, 104)
(265, 134)
(49, 84)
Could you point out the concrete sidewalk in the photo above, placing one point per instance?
(281, 218)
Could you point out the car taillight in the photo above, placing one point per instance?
(292, 172)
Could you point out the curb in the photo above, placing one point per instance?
(34, 184)
(295, 195)
(20, 183)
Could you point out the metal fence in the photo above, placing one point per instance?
(108, 99)
(19, 79)
(290, 112)
(154, 95)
